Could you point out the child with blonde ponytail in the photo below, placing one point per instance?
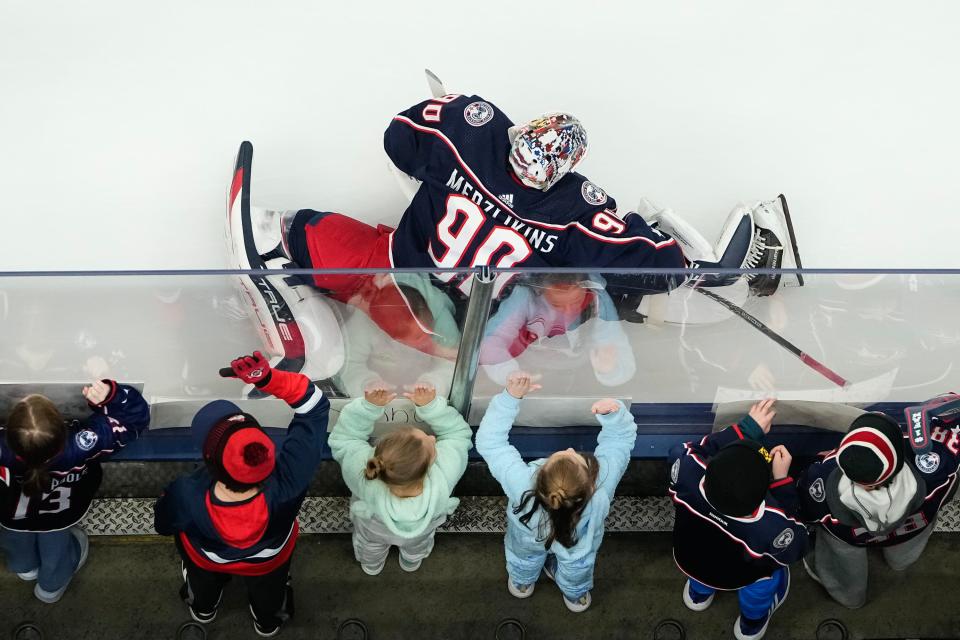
(555, 506)
(401, 487)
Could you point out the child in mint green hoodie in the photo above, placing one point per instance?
(555, 506)
(401, 488)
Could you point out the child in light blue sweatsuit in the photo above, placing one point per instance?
(555, 506)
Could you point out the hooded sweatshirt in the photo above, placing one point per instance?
(405, 517)
(618, 434)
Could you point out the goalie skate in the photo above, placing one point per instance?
(774, 246)
(273, 318)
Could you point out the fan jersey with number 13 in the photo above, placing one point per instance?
(471, 209)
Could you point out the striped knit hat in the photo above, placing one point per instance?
(872, 451)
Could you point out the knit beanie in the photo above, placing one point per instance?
(737, 478)
(234, 444)
(872, 451)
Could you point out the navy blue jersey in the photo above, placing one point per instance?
(936, 474)
(472, 210)
(75, 472)
(721, 551)
(255, 536)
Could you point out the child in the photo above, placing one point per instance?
(237, 515)
(735, 528)
(874, 492)
(401, 488)
(49, 473)
(556, 507)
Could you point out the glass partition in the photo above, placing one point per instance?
(853, 337)
(858, 337)
(173, 332)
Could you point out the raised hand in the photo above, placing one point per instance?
(97, 392)
(605, 406)
(379, 395)
(254, 369)
(780, 465)
(421, 393)
(520, 383)
(763, 413)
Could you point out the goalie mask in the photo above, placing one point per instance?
(546, 149)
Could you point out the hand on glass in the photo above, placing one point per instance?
(763, 413)
(520, 383)
(605, 406)
(379, 395)
(421, 393)
(780, 465)
(97, 392)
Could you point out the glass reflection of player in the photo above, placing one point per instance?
(567, 317)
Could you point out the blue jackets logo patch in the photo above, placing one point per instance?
(86, 439)
(783, 540)
(592, 193)
(478, 114)
(817, 491)
(928, 462)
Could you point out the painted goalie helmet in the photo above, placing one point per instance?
(546, 149)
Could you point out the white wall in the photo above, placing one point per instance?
(119, 121)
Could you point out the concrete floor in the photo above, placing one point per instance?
(129, 590)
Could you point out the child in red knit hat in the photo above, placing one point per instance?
(237, 515)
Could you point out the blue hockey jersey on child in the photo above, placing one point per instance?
(75, 472)
(721, 551)
(472, 210)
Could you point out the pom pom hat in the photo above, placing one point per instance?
(872, 451)
(234, 443)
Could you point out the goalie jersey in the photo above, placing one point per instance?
(75, 472)
(472, 210)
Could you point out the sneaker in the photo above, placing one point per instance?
(264, 631)
(746, 629)
(29, 576)
(409, 567)
(696, 601)
(579, 605)
(50, 597)
(373, 570)
(199, 616)
(520, 590)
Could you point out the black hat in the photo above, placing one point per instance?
(872, 451)
(737, 478)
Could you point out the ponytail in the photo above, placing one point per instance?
(563, 487)
(36, 432)
(374, 468)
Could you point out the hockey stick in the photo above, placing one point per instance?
(435, 84)
(805, 358)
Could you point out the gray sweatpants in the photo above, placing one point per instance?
(372, 541)
(842, 568)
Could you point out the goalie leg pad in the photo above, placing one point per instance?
(695, 246)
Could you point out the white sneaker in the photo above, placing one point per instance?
(409, 567)
(29, 576)
(579, 605)
(50, 597)
(520, 590)
(695, 602)
(373, 570)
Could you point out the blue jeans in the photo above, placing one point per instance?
(755, 599)
(55, 554)
(526, 557)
